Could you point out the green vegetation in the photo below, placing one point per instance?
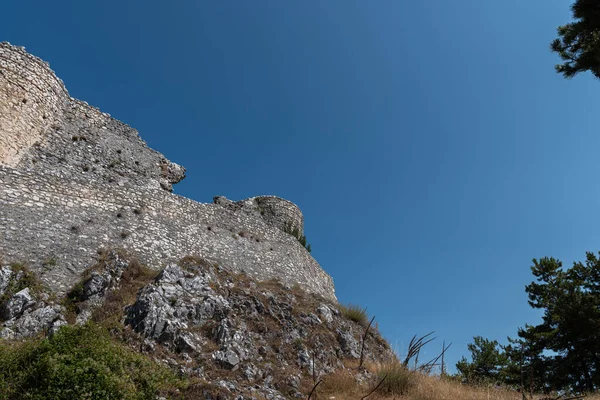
(560, 353)
(79, 362)
(355, 313)
(488, 360)
(293, 230)
(22, 278)
(578, 44)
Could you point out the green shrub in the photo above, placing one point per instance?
(355, 313)
(79, 362)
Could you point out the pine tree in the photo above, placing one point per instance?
(578, 44)
(487, 361)
(570, 328)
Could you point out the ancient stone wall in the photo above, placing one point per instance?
(74, 180)
(278, 212)
(31, 100)
(57, 227)
(43, 128)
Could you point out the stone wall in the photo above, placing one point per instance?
(31, 100)
(43, 128)
(73, 180)
(57, 227)
(278, 212)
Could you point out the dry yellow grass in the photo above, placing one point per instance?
(342, 385)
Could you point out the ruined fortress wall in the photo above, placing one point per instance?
(31, 100)
(57, 226)
(280, 212)
(74, 180)
(43, 128)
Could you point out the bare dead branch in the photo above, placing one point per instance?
(313, 389)
(362, 346)
(376, 387)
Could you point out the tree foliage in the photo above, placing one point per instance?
(487, 361)
(578, 44)
(560, 353)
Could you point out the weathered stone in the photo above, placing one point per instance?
(32, 322)
(348, 343)
(16, 305)
(325, 313)
(72, 174)
(228, 358)
(5, 278)
(96, 285)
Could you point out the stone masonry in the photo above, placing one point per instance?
(73, 180)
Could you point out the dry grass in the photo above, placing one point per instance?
(402, 384)
(134, 277)
(355, 313)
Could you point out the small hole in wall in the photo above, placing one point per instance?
(24, 101)
(271, 249)
(124, 235)
(257, 240)
(137, 163)
(209, 228)
(44, 116)
(119, 151)
(119, 215)
(86, 168)
(137, 211)
(75, 229)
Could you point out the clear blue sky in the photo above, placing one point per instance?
(431, 146)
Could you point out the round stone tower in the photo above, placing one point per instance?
(31, 99)
(280, 213)
(275, 211)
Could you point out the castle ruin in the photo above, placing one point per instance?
(73, 180)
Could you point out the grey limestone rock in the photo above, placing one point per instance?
(325, 313)
(16, 305)
(5, 277)
(31, 322)
(348, 343)
(173, 302)
(227, 357)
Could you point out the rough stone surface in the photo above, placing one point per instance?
(73, 180)
(265, 335)
(250, 339)
(17, 304)
(5, 276)
(47, 319)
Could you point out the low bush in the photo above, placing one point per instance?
(79, 362)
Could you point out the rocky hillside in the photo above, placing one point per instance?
(223, 333)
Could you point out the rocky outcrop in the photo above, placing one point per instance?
(267, 335)
(25, 310)
(244, 337)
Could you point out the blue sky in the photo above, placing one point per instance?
(431, 146)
